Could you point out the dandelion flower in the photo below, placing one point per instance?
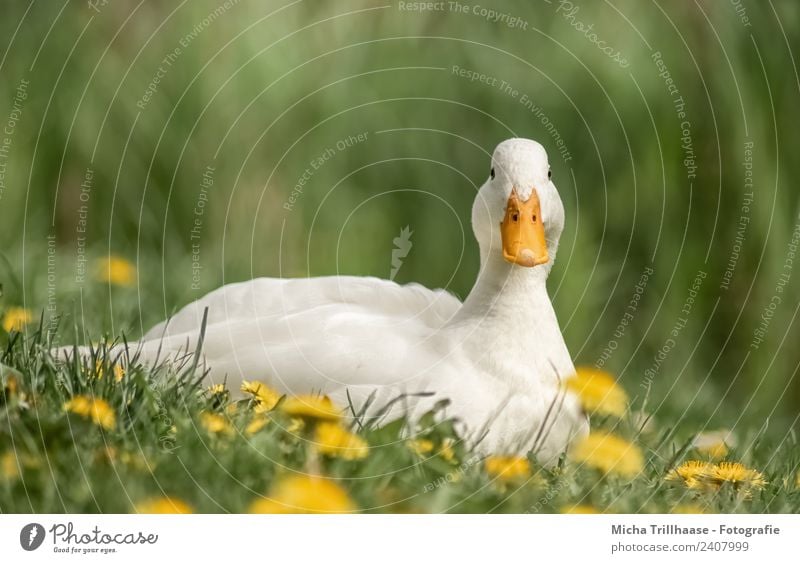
(303, 494)
(119, 371)
(311, 407)
(255, 425)
(9, 466)
(598, 392)
(164, 505)
(115, 270)
(421, 446)
(296, 425)
(508, 468)
(579, 509)
(215, 423)
(265, 397)
(693, 473)
(738, 475)
(11, 386)
(609, 454)
(95, 409)
(16, 318)
(446, 450)
(217, 389)
(333, 440)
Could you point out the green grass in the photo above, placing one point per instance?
(285, 88)
(161, 447)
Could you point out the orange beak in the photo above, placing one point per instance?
(522, 232)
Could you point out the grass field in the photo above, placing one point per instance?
(93, 436)
(210, 142)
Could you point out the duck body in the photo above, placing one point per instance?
(498, 357)
(366, 340)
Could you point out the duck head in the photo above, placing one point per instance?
(518, 215)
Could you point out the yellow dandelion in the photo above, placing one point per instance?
(163, 505)
(693, 473)
(11, 386)
(421, 446)
(119, 371)
(296, 425)
(215, 423)
(738, 475)
(609, 454)
(598, 392)
(16, 318)
(255, 425)
(217, 389)
(9, 466)
(303, 494)
(446, 450)
(508, 468)
(579, 509)
(115, 270)
(96, 409)
(714, 444)
(311, 407)
(335, 441)
(266, 398)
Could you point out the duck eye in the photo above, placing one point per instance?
(549, 174)
(491, 173)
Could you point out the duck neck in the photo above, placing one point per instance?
(514, 294)
(508, 315)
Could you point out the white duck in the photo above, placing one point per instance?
(499, 357)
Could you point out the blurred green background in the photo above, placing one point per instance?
(146, 97)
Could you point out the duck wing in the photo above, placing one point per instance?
(268, 297)
(312, 335)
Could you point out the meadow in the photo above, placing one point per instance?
(107, 435)
(150, 153)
